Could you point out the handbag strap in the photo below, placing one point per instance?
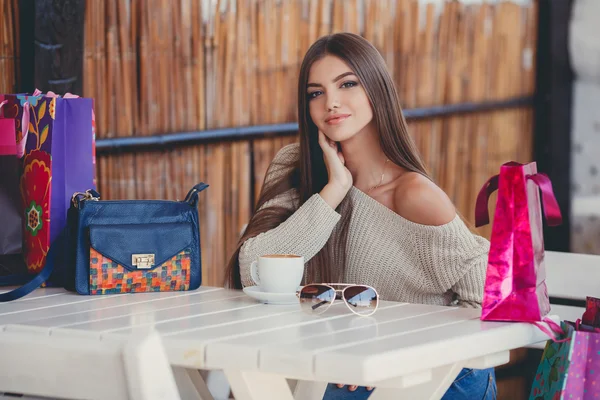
(482, 214)
(192, 196)
(37, 280)
(551, 208)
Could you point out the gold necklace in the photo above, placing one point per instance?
(381, 180)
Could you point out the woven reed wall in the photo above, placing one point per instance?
(158, 66)
(9, 46)
(163, 66)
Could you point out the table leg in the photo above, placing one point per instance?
(309, 390)
(442, 378)
(252, 385)
(217, 383)
(190, 384)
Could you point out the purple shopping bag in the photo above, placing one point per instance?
(59, 161)
(515, 287)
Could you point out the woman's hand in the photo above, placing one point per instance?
(340, 178)
(352, 388)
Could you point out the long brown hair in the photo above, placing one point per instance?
(308, 174)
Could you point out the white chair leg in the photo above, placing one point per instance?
(217, 383)
(191, 385)
(149, 374)
(309, 390)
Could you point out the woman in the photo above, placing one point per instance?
(355, 199)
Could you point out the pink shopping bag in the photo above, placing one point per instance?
(515, 287)
(11, 212)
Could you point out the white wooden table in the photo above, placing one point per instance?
(406, 351)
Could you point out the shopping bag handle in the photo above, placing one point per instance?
(551, 208)
(482, 214)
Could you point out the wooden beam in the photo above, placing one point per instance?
(552, 127)
(59, 29)
(26, 46)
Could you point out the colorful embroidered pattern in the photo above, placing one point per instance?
(36, 190)
(107, 276)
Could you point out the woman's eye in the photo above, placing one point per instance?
(349, 84)
(314, 94)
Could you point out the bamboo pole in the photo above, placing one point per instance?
(477, 92)
(158, 68)
(426, 80)
(125, 102)
(7, 52)
(88, 55)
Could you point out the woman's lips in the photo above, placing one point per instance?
(337, 119)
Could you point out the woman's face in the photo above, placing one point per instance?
(337, 102)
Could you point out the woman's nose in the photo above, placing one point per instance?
(332, 103)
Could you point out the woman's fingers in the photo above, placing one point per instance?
(352, 388)
(341, 157)
(324, 141)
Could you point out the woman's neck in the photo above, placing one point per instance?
(364, 158)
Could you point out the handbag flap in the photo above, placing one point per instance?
(141, 246)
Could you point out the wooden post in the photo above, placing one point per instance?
(26, 45)
(58, 28)
(553, 104)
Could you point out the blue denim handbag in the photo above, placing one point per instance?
(124, 246)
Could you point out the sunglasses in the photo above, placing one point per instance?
(316, 298)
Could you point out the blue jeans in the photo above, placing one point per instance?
(470, 384)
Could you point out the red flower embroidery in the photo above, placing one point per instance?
(557, 395)
(52, 108)
(36, 191)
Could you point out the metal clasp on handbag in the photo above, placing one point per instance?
(88, 195)
(142, 261)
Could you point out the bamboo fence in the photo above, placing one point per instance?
(9, 46)
(161, 66)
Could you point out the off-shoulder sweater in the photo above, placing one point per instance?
(403, 260)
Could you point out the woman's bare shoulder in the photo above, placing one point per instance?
(418, 199)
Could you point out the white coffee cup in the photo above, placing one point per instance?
(278, 273)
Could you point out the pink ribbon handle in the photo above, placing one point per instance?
(67, 95)
(482, 214)
(551, 208)
(24, 129)
(554, 332)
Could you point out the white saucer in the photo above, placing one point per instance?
(271, 298)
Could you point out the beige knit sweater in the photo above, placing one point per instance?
(404, 261)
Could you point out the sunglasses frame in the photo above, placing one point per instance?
(341, 293)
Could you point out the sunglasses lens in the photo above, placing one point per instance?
(363, 300)
(316, 299)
